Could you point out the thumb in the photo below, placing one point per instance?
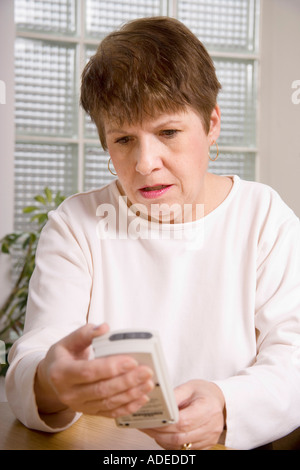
(183, 395)
(80, 339)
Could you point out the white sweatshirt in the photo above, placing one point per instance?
(223, 292)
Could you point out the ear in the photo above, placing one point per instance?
(215, 125)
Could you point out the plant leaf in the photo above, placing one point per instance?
(48, 193)
(12, 237)
(33, 237)
(58, 199)
(28, 209)
(5, 248)
(40, 199)
(12, 312)
(41, 218)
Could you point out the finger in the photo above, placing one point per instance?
(127, 409)
(169, 441)
(189, 419)
(175, 428)
(114, 392)
(81, 338)
(81, 372)
(201, 431)
(121, 403)
(117, 384)
(184, 395)
(174, 441)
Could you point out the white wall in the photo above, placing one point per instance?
(279, 117)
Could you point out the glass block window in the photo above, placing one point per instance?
(229, 30)
(45, 88)
(96, 167)
(234, 163)
(57, 145)
(228, 25)
(102, 17)
(40, 165)
(237, 101)
(52, 16)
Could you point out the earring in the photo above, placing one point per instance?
(214, 159)
(114, 174)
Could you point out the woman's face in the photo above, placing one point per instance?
(163, 162)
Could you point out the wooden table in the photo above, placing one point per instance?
(89, 433)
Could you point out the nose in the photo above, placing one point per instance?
(148, 156)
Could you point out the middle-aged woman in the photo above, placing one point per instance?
(211, 262)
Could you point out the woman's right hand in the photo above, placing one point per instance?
(67, 379)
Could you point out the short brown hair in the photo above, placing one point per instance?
(149, 66)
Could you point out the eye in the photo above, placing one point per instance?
(169, 133)
(122, 140)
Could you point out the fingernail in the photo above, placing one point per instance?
(147, 387)
(145, 399)
(128, 365)
(96, 327)
(102, 325)
(145, 374)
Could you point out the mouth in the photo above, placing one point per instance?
(152, 192)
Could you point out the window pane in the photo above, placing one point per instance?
(48, 16)
(237, 101)
(90, 128)
(46, 101)
(38, 166)
(221, 24)
(102, 17)
(235, 163)
(96, 170)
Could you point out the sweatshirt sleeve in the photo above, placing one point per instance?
(263, 401)
(58, 303)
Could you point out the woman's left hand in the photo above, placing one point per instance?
(201, 418)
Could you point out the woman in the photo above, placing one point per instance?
(211, 262)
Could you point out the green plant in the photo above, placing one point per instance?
(22, 245)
